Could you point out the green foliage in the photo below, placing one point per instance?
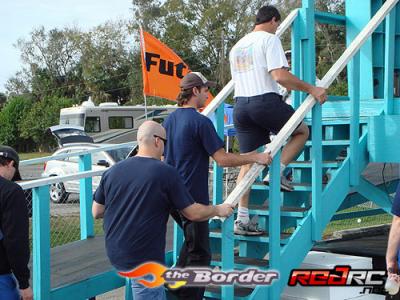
(62, 67)
(51, 63)
(3, 100)
(201, 32)
(338, 88)
(11, 116)
(107, 62)
(43, 114)
(71, 63)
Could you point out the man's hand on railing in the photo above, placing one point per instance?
(224, 210)
(319, 94)
(263, 158)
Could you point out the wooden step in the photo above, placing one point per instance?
(242, 262)
(308, 164)
(332, 143)
(213, 291)
(297, 187)
(286, 211)
(216, 233)
(336, 121)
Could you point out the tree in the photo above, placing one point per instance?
(51, 63)
(3, 99)
(106, 62)
(40, 117)
(202, 32)
(13, 113)
(74, 64)
(18, 84)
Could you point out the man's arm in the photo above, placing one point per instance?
(199, 212)
(225, 159)
(97, 210)
(289, 81)
(393, 245)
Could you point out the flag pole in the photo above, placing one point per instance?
(143, 49)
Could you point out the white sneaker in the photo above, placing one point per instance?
(250, 228)
(286, 185)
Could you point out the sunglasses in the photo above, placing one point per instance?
(161, 138)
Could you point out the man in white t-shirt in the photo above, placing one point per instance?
(258, 64)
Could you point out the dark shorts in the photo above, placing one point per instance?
(256, 117)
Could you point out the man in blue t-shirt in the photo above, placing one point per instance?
(192, 139)
(393, 246)
(135, 197)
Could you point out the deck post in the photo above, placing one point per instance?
(389, 62)
(307, 14)
(360, 12)
(128, 290)
(274, 224)
(86, 198)
(227, 227)
(41, 242)
(354, 93)
(217, 170)
(296, 61)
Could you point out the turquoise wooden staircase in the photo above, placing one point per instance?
(295, 214)
(295, 221)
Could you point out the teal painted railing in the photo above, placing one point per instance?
(41, 227)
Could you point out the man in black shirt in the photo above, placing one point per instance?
(135, 197)
(14, 230)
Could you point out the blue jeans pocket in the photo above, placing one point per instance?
(8, 288)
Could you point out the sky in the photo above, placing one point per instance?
(20, 17)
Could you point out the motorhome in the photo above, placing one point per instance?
(111, 123)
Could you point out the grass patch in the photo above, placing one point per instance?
(31, 155)
(65, 230)
(357, 222)
(354, 223)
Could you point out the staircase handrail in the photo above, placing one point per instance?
(309, 102)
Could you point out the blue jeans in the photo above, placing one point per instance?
(8, 288)
(141, 292)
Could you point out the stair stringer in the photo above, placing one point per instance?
(300, 243)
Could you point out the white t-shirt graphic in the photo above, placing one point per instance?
(251, 60)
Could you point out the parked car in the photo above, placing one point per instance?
(73, 139)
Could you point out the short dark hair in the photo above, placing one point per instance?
(185, 95)
(266, 13)
(4, 161)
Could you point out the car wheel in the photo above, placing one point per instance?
(58, 193)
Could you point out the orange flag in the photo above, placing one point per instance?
(162, 69)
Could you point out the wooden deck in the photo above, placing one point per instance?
(78, 261)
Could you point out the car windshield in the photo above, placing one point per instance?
(119, 154)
